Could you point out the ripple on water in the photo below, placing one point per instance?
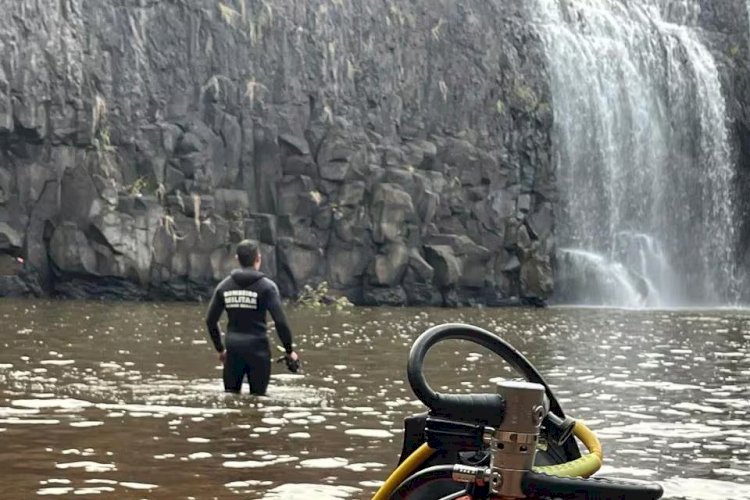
(88, 466)
(310, 492)
(370, 433)
(664, 430)
(257, 464)
(64, 403)
(324, 463)
(137, 486)
(686, 488)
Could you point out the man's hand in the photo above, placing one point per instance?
(292, 361)
(223, 356)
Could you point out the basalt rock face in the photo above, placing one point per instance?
(398, 150)
(401, 151)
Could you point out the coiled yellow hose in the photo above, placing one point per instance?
(580, 467)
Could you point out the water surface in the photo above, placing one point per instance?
(125, 400)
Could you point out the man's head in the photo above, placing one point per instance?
(248, 254)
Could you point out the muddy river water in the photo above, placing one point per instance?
(112, 400)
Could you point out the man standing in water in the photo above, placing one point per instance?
(247, 294)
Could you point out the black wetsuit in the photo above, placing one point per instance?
(247, 294)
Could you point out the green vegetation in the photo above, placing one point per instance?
(101, 140)
(527, 96)
(319, 296)
(252, 24)
(500, 106)
(436, 30)
(136, 189)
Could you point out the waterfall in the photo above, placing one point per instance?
(646, 216)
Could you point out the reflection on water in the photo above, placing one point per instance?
(125, 400)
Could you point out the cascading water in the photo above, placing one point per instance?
(646, 217)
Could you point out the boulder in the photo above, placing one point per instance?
(233, 203)
(422, 271)
(297, 264)
(541, 221)
(391, 209)
(389, 266)
(536, 278)
(346, 264)
(447, 267)
(10, 239)
(384, 296)
(261, 227)
(71, 252)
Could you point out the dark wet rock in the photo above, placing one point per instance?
(352, 194)
(389, 265)
(422, 271)
(541, 222)
(447, 267)
(383, 296)
(261, 227)
(232, 202)
(295, 145)
(10, 239)
(392, 208)
(347, 264)
(70, 251)
(297, 265)
(536, 278)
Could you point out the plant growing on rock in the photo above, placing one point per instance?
(319, 296)
(170, 227)
(136, 189)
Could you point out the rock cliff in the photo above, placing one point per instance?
(400, 151)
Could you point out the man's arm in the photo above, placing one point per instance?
(277, 313)
(215, 308)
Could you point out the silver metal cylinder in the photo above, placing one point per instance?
(513, 444)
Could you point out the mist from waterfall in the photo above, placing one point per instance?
(646, 216)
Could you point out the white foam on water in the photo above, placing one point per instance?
(686, 488)
(303, 491)
(88, 466)
(93, 491)
(324, 463)
(247, 484)
(64, 403)
(371, 433)
(137, 486)
(28, 421)
(57, 362)
(371, 484)
(58, 490)
(362, 467)
(256, 464)
(88, 423)
(166, 410)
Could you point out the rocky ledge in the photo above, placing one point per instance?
(399, 151)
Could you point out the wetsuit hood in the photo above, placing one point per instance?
(246, 276)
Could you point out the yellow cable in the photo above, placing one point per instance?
(581, 467)
(403, 471)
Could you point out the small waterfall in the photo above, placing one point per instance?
(644, 167)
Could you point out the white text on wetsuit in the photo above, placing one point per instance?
(241, 299)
